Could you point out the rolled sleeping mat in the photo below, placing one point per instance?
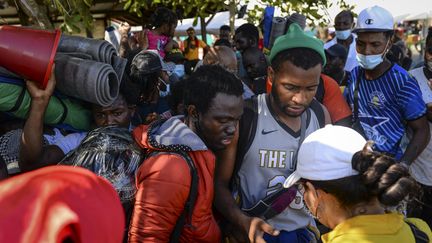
(100, 50)
(77, 54)
(277, 29)
(87, 80)
(119, 64)
(15, 100)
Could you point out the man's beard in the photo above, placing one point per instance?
(278, 102)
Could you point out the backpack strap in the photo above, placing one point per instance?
(186, 47)
(304, 118)
(419, 235)
(356, 97)
(356, 125)
(247, 128)
(186, 215)
(319, 112)
(190, 202)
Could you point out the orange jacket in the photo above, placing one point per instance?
(334, 100)
(163, 182)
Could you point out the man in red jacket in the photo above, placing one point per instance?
(213, 106)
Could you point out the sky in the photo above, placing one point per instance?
(396, 7)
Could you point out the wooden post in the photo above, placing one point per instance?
(203, 29)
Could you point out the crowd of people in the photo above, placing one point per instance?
(314, 142)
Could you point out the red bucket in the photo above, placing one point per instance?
(28, 52)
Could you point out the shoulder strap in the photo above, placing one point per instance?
(319, 112)
(186, 215)
(419, 236)
(356, 97)
(303, 127)
(190, 202)
(247, 128)
(187, 45)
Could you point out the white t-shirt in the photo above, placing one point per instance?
(421, 169)
(351, 61)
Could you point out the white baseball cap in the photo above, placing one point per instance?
(374, 19)
(326, 154)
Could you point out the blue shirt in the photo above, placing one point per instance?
(384, 105)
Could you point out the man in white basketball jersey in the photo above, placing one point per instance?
(251, 171)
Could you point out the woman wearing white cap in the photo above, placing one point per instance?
(346, 185)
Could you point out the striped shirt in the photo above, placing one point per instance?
(385, 104)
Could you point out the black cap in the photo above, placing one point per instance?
(149, 61)
(175, 56)
(337, 50)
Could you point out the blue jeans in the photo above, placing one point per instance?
(296, 236)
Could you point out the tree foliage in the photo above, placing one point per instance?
(314, 10)
(310, 8)
(76, 13)
(41, 13)
(184, 7)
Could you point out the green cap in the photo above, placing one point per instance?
(295, 38)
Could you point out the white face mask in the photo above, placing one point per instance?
(179, 71)
(167, 89)
(165, 93)
(343, 34)
(369, 62)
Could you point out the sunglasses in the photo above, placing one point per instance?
(429, 50)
